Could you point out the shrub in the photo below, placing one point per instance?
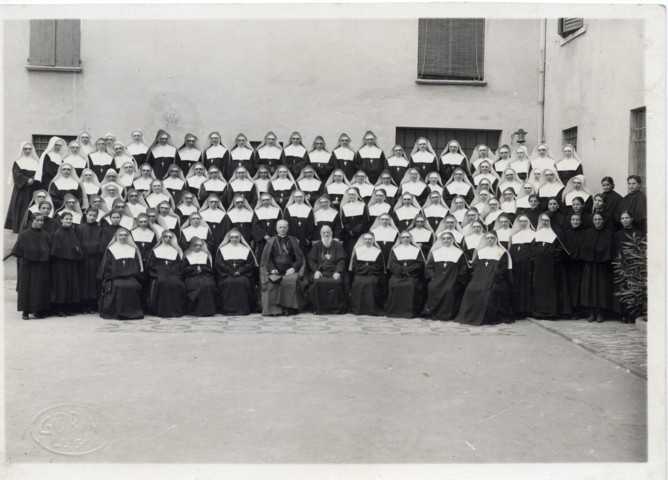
(631, 276)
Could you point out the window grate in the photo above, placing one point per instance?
(639, 142)
(571, 137)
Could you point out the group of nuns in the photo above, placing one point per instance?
(127, 229)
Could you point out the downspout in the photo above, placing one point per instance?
(541, 81)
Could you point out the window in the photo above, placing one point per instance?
(571, 137)
(451, 50)
(41, 141)
(638, 160)
(439, 138)
(570, 25)
(55, 45)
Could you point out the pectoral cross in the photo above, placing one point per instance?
(486, 263)
(518, 248)
(543, 243)
(405, 264)
(123, 262)
(268, 223)
(328, 256)
(299, 222)
(166, 262)
(234, 265)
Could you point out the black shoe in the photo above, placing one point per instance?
(40, 315)
(591, 318)
(25, 316)
(60, 313)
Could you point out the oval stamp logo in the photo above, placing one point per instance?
(71, 429)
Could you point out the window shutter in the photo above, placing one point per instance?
(68, 41)
(42, 43)
(570, 25)
(451, 48)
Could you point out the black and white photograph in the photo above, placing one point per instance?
(334, 240)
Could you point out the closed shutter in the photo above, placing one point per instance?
(68, 41)
(570, 25)
(42, 43)
(451, 48)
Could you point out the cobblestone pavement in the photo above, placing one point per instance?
(620, 343)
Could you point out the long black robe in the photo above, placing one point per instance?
(301, 227)
(373, 167)
(66, 255)
(58, 195)
(447, 280)
(334, 224)
(612, 202)
(281, 196)
(354, 227)
(220, 162)
(271, 163)
(522, 287)
(295, 163)
(184, 164)
(566, 175)
(552, 297)
(236, 286)
(89, 239)
(404, 295)
(327, 295)
(33, 248)
(49, 170)
(200, 289)
(486, 300)
(596, 249)
(347, 166)
(367, 295)
(262, 228)
(281, 254)
(167, 292)
(121, 290)
(21, 197)
(160, 164)
(101, 169)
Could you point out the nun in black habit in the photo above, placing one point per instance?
(161, 154)
(24, 170)
(596, 250)
(216, 153)
(235, 269)
(198, 280)
(165, 270)
(295, 156)
(367, 266)
(405, 286)
(188, 155)
(370, 158)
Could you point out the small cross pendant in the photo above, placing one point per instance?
(405, 264)
(299, 223)
(518, 248)
(486, 263)
(268, 223)
(328, 256)
(234, 265)
(166, 262)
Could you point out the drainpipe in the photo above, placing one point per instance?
(541, 81)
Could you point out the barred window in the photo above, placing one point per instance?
(638, 160)
(571, 137)
(451, 49)
(55, 45)
(40, 142)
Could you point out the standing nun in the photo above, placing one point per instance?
(240, 156)
(503, 159)
(72, 206)
(90, 185)
(189, 154)
(215, 216)
(521, 252)
(397, 164)
(378, 205)
(596, 250)
(241, 184)
(128, 174)
(423, 158)
(110, 139)
(24, 170)
(66, 181)
(453, 157)
(576, 187)
(385, 233)
(146, 176)
(570, 164)
(503, 228)
(295, 156)
(363, 186)
(450, 224)
(83, 139)
(167, 217)
(421, 233)
(261, 180)
(389, 186)
(175, 183)
(196, 176)
(405, 212)
(97, 203)
(521, 163)
(196, 227)
(240, 217)
(509, 203)
(354, 219)
(549, 273)
(235, 268)
(100, 160)
(486, 300)
(367, 265)
(486, 172)
(413, 184)
(50, 161)
(158, 195)
(550, 186)
(299, 215)
(66, 255)
(138, 148)
(370, 157)
(458, 185)
(434, 183)
(480, 154)
(216, 154)
(319, 159)
(145, 236)
(342, 158)
(406, 266)
(89, 234)
(200, 288)
(447, 272)
(76, 158)
(475, 235)
(126, 221)
(187, 206)
(267, 214)
(215, 185)
(325, 214)
(268, 153)
(336, 187)
(161, 154)
(310, 183)
(33, 248)
(281, 185)
(165, 270)
(121, 157)
(509, 180)
(120, 273)
(541, 158)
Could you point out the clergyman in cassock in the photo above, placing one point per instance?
(280, 268)
(327, 266)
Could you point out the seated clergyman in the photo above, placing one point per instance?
(327, 266)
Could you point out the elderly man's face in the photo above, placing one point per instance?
(282, 228)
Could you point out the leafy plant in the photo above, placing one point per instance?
(631, 276)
